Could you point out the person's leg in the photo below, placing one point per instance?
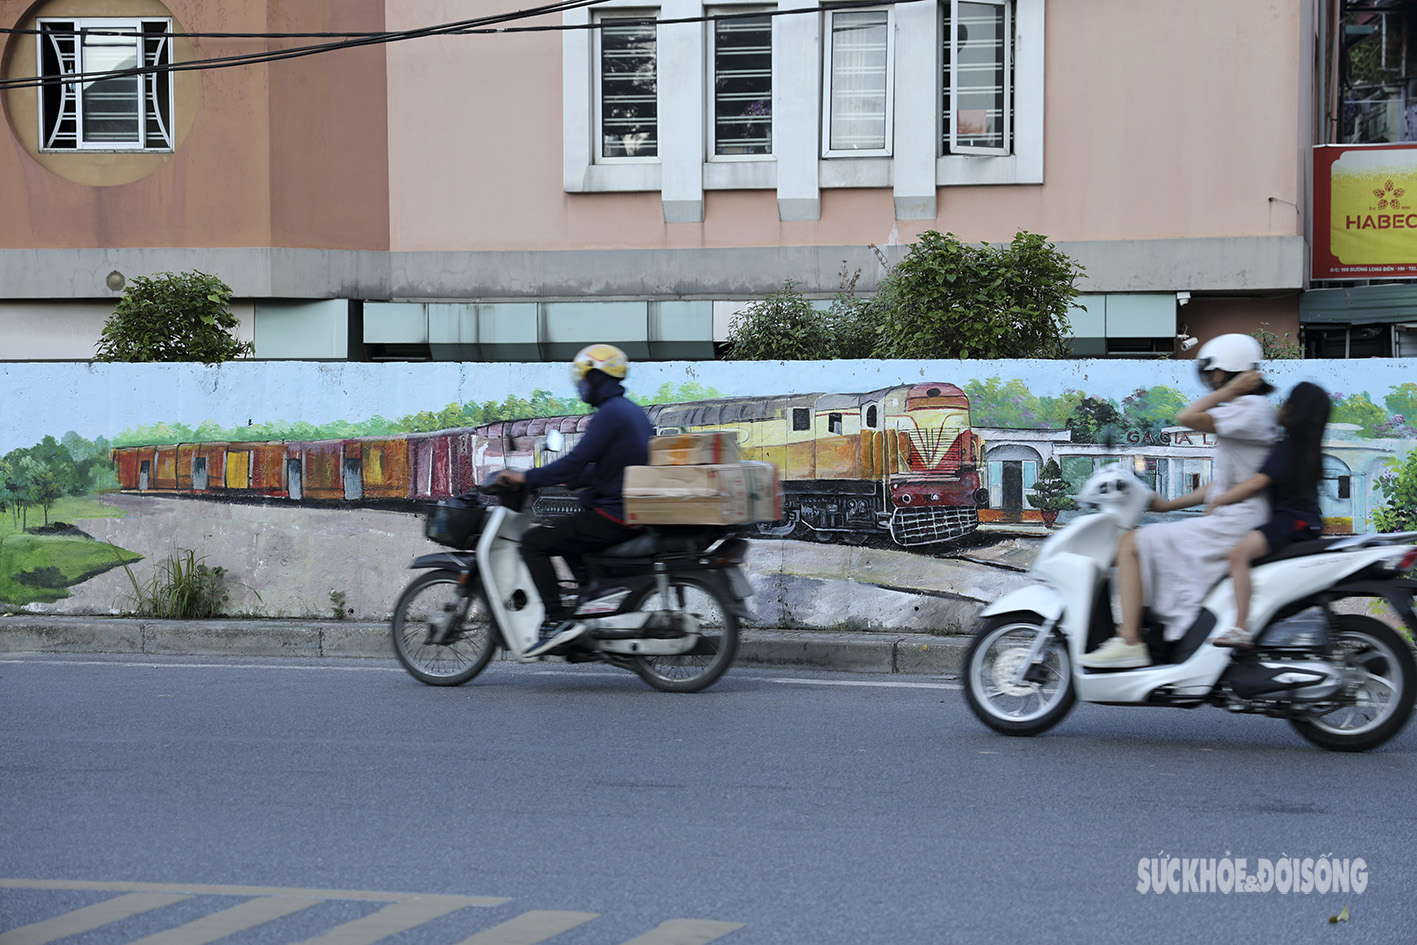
(584, 532)
(1125, 650)
(1130, 591)
(1252, 546)
(539, 543)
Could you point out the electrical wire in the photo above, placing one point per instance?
(477, 26)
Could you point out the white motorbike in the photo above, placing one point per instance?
(1345, 681)
(664, 605)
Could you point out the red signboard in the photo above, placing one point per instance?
(1365, 211)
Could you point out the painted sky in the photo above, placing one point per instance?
(94, 400)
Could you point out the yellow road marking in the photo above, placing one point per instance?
(249, 914)
(686, 932)
(88, 918)
(529, 928)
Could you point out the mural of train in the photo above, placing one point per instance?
(901, 462)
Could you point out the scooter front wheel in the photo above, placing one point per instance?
(1009, 705)
(440, 636)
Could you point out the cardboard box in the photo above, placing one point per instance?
(718, 447)
(686, 495)
(764, 491)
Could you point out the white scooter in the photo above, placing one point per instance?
(1345, 681)
(664, 605)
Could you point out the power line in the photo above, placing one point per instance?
(477, 26)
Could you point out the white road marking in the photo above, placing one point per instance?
(580, 671)
(88, 918)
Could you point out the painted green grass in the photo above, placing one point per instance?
(40, 569)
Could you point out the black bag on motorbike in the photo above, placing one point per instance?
(455, 522)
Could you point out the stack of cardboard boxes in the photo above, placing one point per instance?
(698, 479)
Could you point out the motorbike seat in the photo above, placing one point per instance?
(641, 546)
(1301, 549)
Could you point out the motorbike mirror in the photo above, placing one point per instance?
(555, 440)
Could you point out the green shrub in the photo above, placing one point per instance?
(782, 327)
(947, 299)
(169, 317)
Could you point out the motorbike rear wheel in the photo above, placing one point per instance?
(421, 616)
(1027, 708)
(1385, 694)
(717, 627)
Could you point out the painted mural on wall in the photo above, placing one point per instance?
(913, 491)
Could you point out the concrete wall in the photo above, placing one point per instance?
(293, 557)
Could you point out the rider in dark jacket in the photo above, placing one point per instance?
(617, 436)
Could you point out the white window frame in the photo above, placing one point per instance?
(72, 101)
(710, 83)
(951, 48)
(828, 19)
(598, 92)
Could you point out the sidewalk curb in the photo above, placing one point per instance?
(858, 652)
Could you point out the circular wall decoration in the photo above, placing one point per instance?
(99, 134)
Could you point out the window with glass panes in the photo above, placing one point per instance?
(121, 112)
(859, 82)
(978, 77)
(742, 85)
(628, 101)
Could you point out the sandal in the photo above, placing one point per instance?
(1234, 637)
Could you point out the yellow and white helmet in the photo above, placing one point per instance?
(607, 359)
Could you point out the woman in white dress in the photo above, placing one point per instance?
(1170, 566)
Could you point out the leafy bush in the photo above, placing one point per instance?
(782, 327)
(947, 299)
(1399, 488)
(169, 317)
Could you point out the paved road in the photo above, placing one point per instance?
(181, 801)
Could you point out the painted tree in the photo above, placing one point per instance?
(1051, 493)
(1399, 488)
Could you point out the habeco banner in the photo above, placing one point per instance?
(1365, 211)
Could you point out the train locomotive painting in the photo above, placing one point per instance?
(901, 463)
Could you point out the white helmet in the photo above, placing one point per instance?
(1232, 354)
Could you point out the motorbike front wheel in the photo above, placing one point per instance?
(441, 637)
(716, 626)
(1026, 707)
(1382, 700)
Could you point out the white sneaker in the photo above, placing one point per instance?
(1117, 653)
(559, 635)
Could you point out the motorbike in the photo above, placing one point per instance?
(665, 605)
(1345, 681)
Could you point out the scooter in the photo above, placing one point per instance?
(665, 605)
(1345, 681)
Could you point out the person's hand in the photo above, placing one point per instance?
(511, 477)
(1246, 382)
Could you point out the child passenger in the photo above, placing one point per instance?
(1291, 474)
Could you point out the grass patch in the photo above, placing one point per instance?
(40, 569)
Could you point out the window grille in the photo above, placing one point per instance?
(115, 113)
(859, 82)
(628, 100)
(978, 76)
(742, 86)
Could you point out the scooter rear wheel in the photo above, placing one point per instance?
(990, 663)
(1385, 694)
(717, 645)
(421, 616)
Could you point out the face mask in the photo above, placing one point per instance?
(583, 390)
